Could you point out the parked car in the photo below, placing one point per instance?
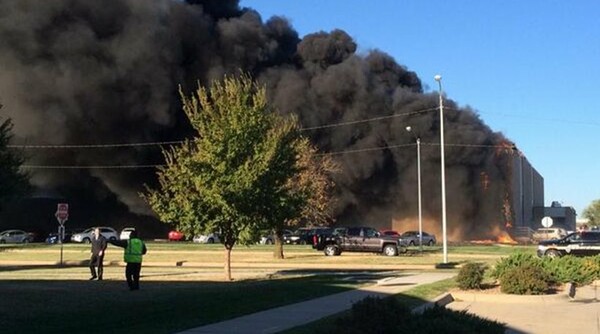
(411, 238)
(391, 233)
(584, 243)
(176, 236)
(86, 236)
(360, 239)
(210, 238)
(53, 237)
(126, 232)
(15, 237)
(548, 233)
(306, 235)
(269, 239)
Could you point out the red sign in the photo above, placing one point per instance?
(62, 212)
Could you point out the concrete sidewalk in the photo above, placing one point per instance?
(536, 314)
(286, 317)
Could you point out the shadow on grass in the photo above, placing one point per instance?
(74, 306)
(449, 265)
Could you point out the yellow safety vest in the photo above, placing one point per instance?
(133, 251)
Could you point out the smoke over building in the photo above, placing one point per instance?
(89, 72)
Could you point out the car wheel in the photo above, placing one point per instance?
(269, 242)
(86, 240)
(332, 250)
(25, 241)
(552, 253)
(210, 241)
(430, 243)
(411, 243)
(390, 250)
(303, 242)
(2, 241)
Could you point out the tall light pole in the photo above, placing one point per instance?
(438, 78)
(409, 129)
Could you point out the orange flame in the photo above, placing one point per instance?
(501, 237)
(504, 238)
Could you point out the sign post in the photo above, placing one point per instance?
(62, 214)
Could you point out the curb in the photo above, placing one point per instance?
(441, 300)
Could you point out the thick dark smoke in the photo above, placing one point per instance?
(94, 72)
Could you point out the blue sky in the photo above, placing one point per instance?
(530, 68)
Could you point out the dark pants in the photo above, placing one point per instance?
(97, 261)
(132, 273)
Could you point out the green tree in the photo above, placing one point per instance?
(232, 177)
(13, 181)
(592, 212)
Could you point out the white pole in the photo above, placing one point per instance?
(438, 78)
(419, 187)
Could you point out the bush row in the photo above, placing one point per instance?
(523, 273)
(376, 315)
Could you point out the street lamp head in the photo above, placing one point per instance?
(437, 77)
(408, 128)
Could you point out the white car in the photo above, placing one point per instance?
(270, 238)
(86, 236)
(126, 232)
(207, 239)
(15, 236)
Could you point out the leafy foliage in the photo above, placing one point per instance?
(234, 176)
(592, 212)
(526, 279)
(580, 270)
(375, 315)
(470, 276)
(14, 182)
(514, 261)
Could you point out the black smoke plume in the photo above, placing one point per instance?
(97, 72)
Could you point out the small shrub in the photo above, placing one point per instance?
(382, 316)
(525, 279)
(573, 269)
(470, 276)
(514, 260)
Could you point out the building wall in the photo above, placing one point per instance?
(527, 191)
(562, 216)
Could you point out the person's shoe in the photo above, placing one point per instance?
(99, 278)
(92, 278)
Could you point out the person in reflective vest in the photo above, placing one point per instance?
(134, 251)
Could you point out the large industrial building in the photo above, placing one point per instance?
(528, 200)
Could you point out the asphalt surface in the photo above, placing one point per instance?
(537, 314)
(289, 316)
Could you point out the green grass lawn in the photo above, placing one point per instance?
(47, 299)
(80, 306)
(195, 254)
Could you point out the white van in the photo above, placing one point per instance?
(548, 233)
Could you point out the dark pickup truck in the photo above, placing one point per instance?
(359, 239)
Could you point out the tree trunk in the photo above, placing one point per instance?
(278, 250)
(228, 262)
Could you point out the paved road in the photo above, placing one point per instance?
(537, 314)
(286, 317)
